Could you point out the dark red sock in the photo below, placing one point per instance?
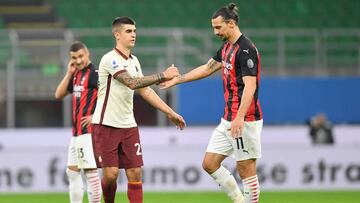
(109, 190)
(135, 192)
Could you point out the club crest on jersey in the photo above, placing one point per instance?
(227, 67)
(114, 64)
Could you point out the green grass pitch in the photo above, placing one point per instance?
(199, 197)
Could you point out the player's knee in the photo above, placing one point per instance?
(110, 174)
(209, 166)
(133, 174)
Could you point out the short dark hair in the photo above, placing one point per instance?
(118, 21)
(76, 46)
(229, 12)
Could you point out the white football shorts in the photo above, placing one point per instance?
(248, 146)
(81, 153)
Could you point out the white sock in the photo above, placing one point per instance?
(76, 186)
(228, 184)
(94, 186)
(251, 189)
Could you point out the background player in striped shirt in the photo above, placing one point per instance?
(81, 80)
(238, 134)
(117, 141)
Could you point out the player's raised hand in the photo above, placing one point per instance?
(177, 120)
(171, 72)
(71, 67)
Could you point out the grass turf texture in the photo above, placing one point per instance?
(199, 197)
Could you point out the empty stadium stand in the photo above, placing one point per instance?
(188, 13)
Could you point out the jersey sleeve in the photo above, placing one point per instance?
(93, 80)
(138, 67)
(218, 57)
(111, 65)
(70, 87)
(248, 61)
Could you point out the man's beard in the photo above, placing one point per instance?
(223, 38)
(79, 66)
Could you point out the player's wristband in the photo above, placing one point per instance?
(161, 77)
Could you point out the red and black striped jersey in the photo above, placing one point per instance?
(239, 60)
(84, 88)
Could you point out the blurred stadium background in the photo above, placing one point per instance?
(310, 63)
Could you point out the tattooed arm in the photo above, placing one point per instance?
(139, 82)
(195, 74)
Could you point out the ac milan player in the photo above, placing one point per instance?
(81, 80)
(238, 134)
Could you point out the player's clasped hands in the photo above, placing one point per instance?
(169, 83)
(171, 72)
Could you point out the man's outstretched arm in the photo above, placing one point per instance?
(198, 73)
(140, 82)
